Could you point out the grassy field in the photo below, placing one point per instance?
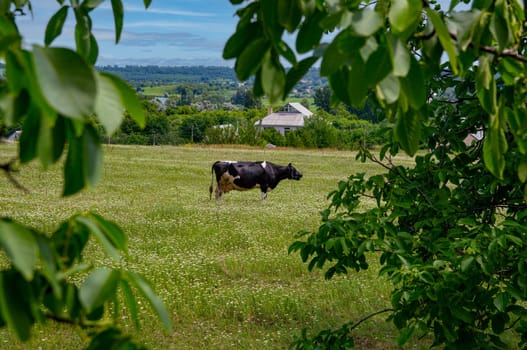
(221, 267)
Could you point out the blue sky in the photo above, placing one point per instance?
(170, 32)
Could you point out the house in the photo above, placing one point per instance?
(474, 137)
(290, 117)
(14, 136)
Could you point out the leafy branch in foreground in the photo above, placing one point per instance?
(42, 282)
(449, 228)
(59, 98)
(327, 339)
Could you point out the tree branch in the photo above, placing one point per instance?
(512, 53)
(367, 317)
(9, 169)
(391, 167)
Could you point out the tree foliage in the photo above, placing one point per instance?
(60, 99)
(448, 231)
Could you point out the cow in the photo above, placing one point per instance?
(241, 176)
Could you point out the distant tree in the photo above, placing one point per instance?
(272, 136)
(245, 98)
(293, 139)
(366, 112)
(185, 96)
(322, 98)
(325, 134)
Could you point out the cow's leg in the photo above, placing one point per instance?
(264, 188)
(218, 193)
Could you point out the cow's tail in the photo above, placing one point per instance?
(211, 181)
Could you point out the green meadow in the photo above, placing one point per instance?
(222, 268)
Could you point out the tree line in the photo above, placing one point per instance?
(170, 124)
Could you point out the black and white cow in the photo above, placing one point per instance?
(243, 176)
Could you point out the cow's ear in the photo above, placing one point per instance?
(289, 165)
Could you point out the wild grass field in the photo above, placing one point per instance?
(222, 268)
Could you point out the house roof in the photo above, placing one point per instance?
(300, 108)
(291, 115)
(282, 119)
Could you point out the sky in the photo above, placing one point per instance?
(168, 33)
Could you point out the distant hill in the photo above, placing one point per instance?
(161, 75)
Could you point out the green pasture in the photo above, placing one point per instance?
(222, 268)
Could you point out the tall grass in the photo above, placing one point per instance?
(222, 268)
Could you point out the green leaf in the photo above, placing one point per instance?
(486, 85)
(28, 142)
(251, 58)
(286, 52)
(414, 85)
(55, 25)
(388, 89)
(156, 302)
(370, 46)
(310, 33)
(289, 14)
(21, 247)
(109, 243)
(118, 14)
(404, 15)
(365, 22)
(45, 142)
(522, 170)
(74, 179)
(404, 335)
(401, 58)
(111, 338)
(444, 37)
(92, 155)
(238, 41)
(108, 106)
(494, 147)
(500, 29)
(99, 287)
(14, 306)
(377, 67)
(130, 301)
(82, 32)
(466, 263)
(501, 301)
(15, 72)
(49, 265)
(462, 314)
(129, 99)
(408, 131)
(297, 72)
(339, 84)
(91, 4)
(333, 58)
(59, 138)
(66, 81)
(273, 79)
(268, 14)
(357, 87)
(464, 24)
(94, 51)
(112, 231)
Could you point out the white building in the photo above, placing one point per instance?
(289, 118)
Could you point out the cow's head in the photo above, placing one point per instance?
(293, 173)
